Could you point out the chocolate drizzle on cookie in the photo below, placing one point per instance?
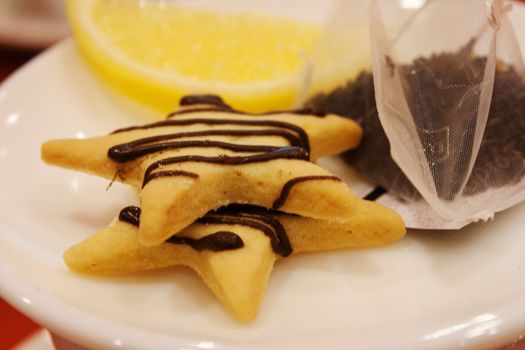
(299, 147)
(299, 111)
(212, 100)
(218, 241)
(244, 215)
(254, 217)
(167, 173)
(135, 149)
(285, 191)
(279, 128)
(280, 153)
(131, 215)
(218, 105)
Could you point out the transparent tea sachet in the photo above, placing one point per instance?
(451, 99)
(446, 132)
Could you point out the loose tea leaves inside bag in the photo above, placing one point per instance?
(450, 96)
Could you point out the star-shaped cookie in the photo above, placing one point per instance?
(234, 249)
(206, 155)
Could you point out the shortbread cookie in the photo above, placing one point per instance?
(234, 249)
(207, 155)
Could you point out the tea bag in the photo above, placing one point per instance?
(445, 137)
(451, 100)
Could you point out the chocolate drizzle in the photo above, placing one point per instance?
(254, 217)
(285, 191)
(297, 139)
(218, 241)
(303, 137)
(280, 153)
(168, 173)
(244, 215)
(132, 150)
(131, 215)
(226, 109)
(218, 105)
(212, 100)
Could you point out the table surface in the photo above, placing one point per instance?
(14, 326)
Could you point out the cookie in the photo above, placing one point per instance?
(234, 249)
(206, 155)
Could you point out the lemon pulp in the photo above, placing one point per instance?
(156, 52)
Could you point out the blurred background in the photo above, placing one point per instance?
(27, 27)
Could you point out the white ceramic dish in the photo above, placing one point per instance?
(432, 290)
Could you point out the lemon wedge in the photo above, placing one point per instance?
(155, 52)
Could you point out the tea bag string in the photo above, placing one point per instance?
(495, 10)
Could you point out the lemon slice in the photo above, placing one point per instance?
(155, 52)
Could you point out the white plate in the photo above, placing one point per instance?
(432, 290)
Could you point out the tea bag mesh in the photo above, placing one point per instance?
(444, 111)
(449, 102)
